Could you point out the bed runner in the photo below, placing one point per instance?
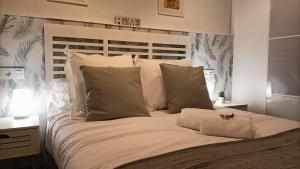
(280, 151)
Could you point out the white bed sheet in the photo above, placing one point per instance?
(75, 144)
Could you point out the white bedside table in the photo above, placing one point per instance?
(20, 137)
(232, 105)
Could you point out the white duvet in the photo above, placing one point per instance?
(75, 144)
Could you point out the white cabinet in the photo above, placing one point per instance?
(19, 137)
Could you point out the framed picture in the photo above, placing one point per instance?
(170, 7)
(72, 2)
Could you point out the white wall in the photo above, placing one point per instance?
(210, 16)
(251, 37)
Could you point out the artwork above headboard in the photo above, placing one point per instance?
(107, 42)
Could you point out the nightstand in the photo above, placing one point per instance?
(19, 138)
(232, 105)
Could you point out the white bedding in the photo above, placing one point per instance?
(76, 144)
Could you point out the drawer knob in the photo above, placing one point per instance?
(3, 136)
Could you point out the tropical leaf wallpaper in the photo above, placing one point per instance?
(22, 45)
(214, 52)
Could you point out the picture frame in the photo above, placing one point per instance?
(171, 8)
(71, 2)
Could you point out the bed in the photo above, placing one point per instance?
(138, 141)
(75, 144)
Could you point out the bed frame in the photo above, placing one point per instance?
(108, 42)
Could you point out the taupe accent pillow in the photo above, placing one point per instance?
(185, 88)
(113, 93)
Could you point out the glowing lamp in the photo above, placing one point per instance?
(22, 103)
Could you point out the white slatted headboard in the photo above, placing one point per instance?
(108, 42)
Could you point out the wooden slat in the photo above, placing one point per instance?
(124, 49)
(15, 145)
(168, 54)
(122, 42)
(58, 69)
(171, 49)
(75, 39)
(79, 50)
(79, 47)
(77, 43)
(14, 139)
(60, 57)
(59, 72)
(56, 53)
(169, 45)
(58, 76)
(168, 57)
(122, 53)
(128, 46)
(58, 65)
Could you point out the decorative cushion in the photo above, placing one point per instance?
(185, 88)
(113, 93)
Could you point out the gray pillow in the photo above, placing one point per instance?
(185, 88)
(113, 93)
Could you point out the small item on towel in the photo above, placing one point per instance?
(227, 116)
(227, 125)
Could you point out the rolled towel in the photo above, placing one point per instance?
(230, 123)
(191, 117)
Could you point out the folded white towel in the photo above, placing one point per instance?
(211, 122)
(191, 117)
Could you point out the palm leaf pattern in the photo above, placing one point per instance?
(214, 41)
(12, 84)
(23, 27)
(215, 91)
(2, 82)
(230, 66)
(214, 52)
(192, 52)
(221, 63)
(208, 49)
(197, 43)
(3, 51)
(36, 84)
(6, 23)
(27, 71)
(23, 50)
(222, 42)
(42, 71)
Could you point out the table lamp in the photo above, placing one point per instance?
(22, 103)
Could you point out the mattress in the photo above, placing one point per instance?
(75, 144)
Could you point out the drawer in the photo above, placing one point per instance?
(16, 143)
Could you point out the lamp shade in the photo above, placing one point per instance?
(22, 103)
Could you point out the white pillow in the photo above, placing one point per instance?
(75, 79)
(152, 81)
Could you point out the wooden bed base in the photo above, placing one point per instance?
(50, 162)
